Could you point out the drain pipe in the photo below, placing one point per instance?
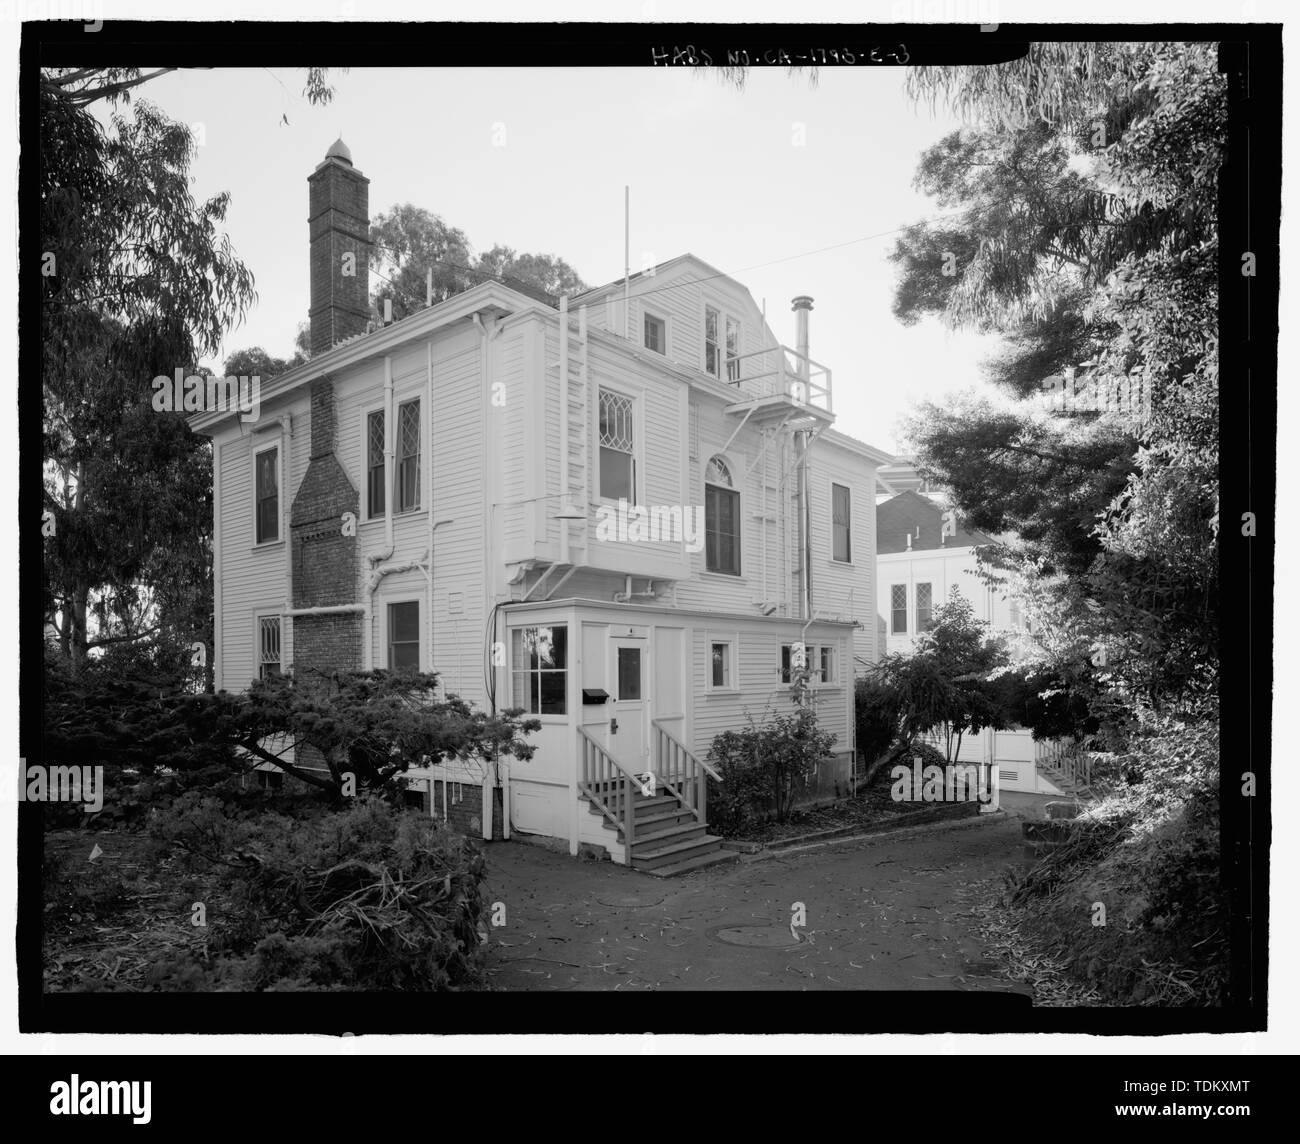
(368, 608)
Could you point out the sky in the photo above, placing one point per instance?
(750, 181)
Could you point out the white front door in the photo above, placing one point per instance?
(630, 677)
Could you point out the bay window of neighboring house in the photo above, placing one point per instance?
(924, 607)
(721, 519)
(898, 609)
(617, 447)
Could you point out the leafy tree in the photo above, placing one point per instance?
(137, 281)
(1083, 230)
(944, 684)
(408, 241)
(546, 272)
(371, 726)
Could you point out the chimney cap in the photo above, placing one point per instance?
(802, 302)
(339, 150)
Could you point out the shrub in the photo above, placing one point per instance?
(765, 768)
(876, 716)
(370, 897)
(1151, 851)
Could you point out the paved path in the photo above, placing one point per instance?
(893, 912)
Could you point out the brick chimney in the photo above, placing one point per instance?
(338, 219)
(325, 565)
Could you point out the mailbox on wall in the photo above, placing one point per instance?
(594, 695)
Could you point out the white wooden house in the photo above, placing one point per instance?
(623, 512)
(924, 552)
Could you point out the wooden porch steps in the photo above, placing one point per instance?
(667, 837)
(666, 832)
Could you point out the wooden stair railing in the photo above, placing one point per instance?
(610, 786)
(680, 772)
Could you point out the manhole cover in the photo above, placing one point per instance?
(761, 937)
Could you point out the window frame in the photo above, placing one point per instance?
(366, 413)
(638, 436)
(916, 609)
(847, 560)
(730, 641)
(277, 444)
(894, 629)
(649, 315)
(400, 403)
(389, 604)
(529, 671)
(258, 662)
(725, 315)
(706, 484)
(825, 653)
(785, 668)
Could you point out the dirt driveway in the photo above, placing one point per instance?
(893, 912)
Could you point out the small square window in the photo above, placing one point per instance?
(404, 636)
(656, 334)
(720, 666)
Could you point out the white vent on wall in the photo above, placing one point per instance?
(1008, 776)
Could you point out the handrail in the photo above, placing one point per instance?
(600, 770)
(680, 772)
(682, 746)
(812, 390)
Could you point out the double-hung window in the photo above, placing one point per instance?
(375, 463)
(408, 456)
(898, 609)
(841, 524)
(656, 334)
(721, 337)
(924, 607)
(721, 519)
(267, 494)
(404, 635)
(617, 447)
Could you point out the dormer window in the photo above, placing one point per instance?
(721, 342)
(656, 334)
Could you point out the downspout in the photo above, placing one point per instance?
(428, 416)
(564, 425)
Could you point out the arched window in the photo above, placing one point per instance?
(721, 519)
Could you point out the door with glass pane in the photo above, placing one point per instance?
(628, 736)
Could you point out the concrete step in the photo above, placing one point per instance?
(673, 852)
(646, 843)
(714, 858)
